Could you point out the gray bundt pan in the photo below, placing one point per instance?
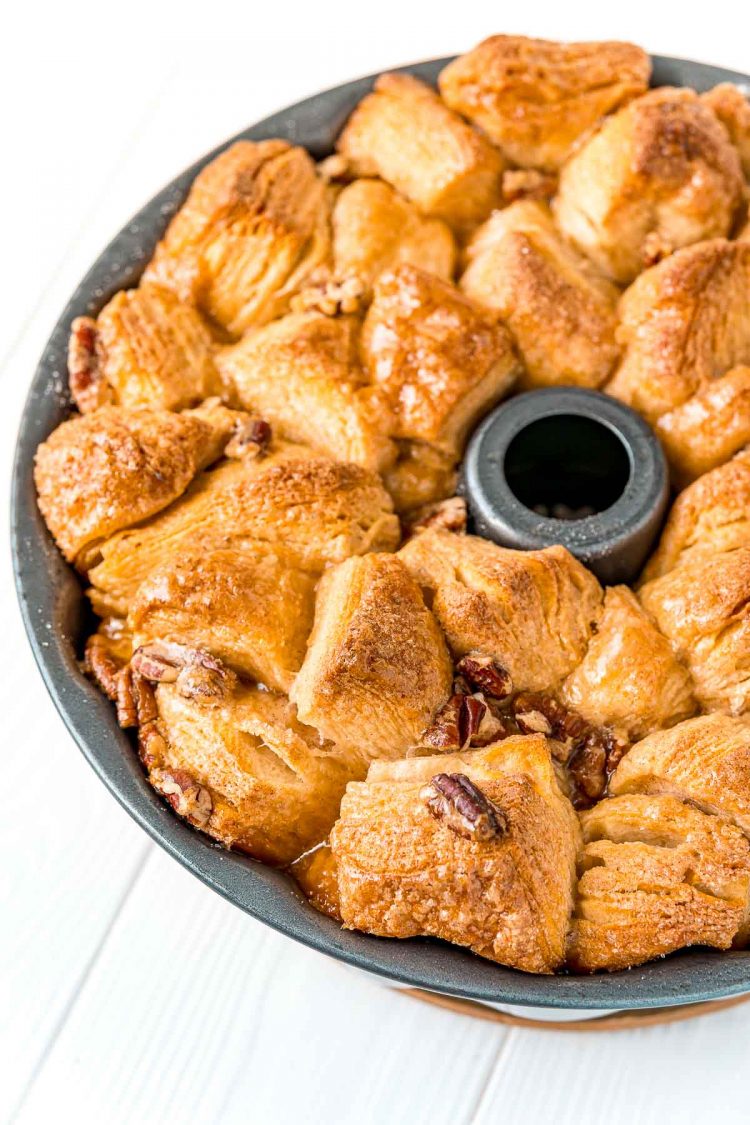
(55, 613)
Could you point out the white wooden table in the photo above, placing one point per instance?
(130, 992)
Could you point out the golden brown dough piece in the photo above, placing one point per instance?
(704, 609)
(560, 312)
(535, 98)
(712, 515)
(254, 226)
(440, 360)
(705, 761)
(249, 606)
(246, 772)
(146, 348)
(657, 875)
(629, 679)
(405, 134)
(376, 668)
(530, 610)
(421, 475)
(99, 472)
(685, 327)
(301, 373)
(406, 871)
(315, 509)
(732, 108)
(375, 228)
(658, 175)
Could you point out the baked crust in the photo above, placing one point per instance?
(535, 98)
(530, 610)
(405, 134)
(660, 174)
(561, 313)
(508, 899)
(377, 667)
(438, 358)
(302, 374)
(732, 108)
(375, 228)
(253, 228)
(656, 876)
(100, 472)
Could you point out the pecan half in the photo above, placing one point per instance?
(186, 796)
(136, 705)
(485, 674)
(445, 515)
(445, 731)
(251, 439)
(101, 666)
(88, 387)
(194, 671)
(463, 807)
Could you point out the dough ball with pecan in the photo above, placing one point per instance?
(253, 228)
(532, 611)
(439, 359)
(249, 605)
(302, 374)
(314, 509)
(376, 667)
(705, 760)
(535, 98)
(146, 348)
(476, 848)
(560, 311)
(103, 471)
(264, 783)
(656, 875)
(658, 175)
(630, 679)
(405, 134)
(375, 228)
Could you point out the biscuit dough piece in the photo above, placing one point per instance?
(375, 228)
(421, 475)
(249, 605)
(732, 108)
(405, 134)
(253, 228)
(439, 359)
(103, 471)
(403, 873)
(656, 876)
(712, 515)
(146, 348)
(561, 313)
(660, 174)
(377, 668)
(705, 760)
(704, 609)
(629, 679)
(301, 374)
(259, 780)
(536, 98)
(317, 510)
(530, 610)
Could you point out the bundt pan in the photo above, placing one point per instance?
(54, 613)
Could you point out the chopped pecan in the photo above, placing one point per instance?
(445, 731)
(101, 665)
(196, 673)
(541, 714)
(465, 720)
(152, 745)
(445, 515)
(485, 674)
(251, 438)
(463, 807)
(492, 727)
(528, 183)
(331, 296)
(186, 796)
(88, 386)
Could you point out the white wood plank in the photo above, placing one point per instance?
(196, 1012)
